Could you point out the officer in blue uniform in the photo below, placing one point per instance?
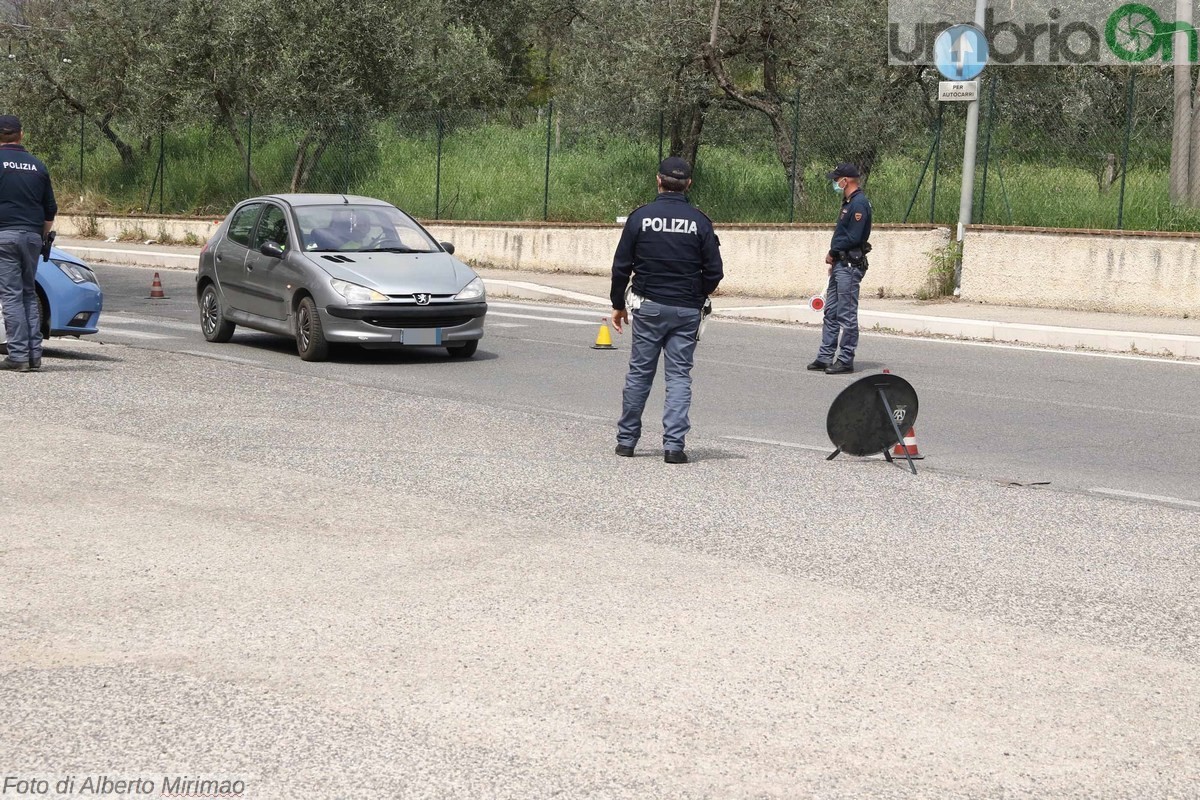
(27, 211)
(674, 257)
(847, 260)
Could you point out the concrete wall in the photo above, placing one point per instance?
(764, 261)
(137, 229)
(1134, 273)
(760, 260)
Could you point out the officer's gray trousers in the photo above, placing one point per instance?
(19, 255)
(841, 314)
(671, 331)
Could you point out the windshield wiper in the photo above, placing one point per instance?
(390, 250)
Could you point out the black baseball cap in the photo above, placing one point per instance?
(675, 167)
(9, 124)
(843, 170)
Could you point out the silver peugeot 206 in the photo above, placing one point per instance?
(328, 268)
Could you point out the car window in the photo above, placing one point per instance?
(272, 227)
(350, 228)
(242, 223)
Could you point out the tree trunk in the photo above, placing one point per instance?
(1181, 129)
(865, 161)
(691, 144)
(305, 161)
(1192, 112)
(771, 106)
(1193, 193)
(686, 129)
(298, 168)
(231, 125)
(123, 148)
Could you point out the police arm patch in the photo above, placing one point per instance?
(858, 216)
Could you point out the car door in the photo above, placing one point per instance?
(268, 279)
(230, 256)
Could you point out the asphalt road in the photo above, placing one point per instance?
(407, 576)
(1074, 421)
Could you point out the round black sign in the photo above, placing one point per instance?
(859, 422)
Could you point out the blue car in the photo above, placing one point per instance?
(70, 296)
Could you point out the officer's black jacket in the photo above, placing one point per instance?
(26, 197)
(853, 225)
(671, 249)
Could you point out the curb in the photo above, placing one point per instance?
(134, 258)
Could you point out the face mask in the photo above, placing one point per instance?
(837, 187)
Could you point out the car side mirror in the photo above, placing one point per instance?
(448, 247)
(271, 249)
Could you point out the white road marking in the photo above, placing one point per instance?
(232, 359)
(1033, 349)
(556, 344)
(120, 318)
(777, 443)
(1155, 498)
(548, 290)
(911, 337)
(1149, 412)
(544, 307)
(738, 365)
(506, 325)
(544, 319)
(131, 334)
(142, 253)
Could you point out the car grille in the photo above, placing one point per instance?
(420, 322)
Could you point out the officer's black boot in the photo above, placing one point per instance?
(15, 366)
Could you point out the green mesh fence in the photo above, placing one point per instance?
(1041, 161)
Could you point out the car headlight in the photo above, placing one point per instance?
(76, 272)
(357, 294)
(472, 291)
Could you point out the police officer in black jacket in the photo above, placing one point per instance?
(847, 261)
(27, 211)
(674, 256)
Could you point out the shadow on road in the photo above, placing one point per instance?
(353, 354)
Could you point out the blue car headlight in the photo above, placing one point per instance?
(76, 272)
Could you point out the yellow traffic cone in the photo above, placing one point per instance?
(603, 338)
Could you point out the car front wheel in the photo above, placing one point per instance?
(213, 324)
(310, 336)
(464, 350)
(44, 310)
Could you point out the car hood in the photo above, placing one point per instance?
(62, 255)
(397, 273)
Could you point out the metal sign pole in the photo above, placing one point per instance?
(971, 140)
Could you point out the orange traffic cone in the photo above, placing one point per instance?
(156, 290)
(604, 338)
(909, 444)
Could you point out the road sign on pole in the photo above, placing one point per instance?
(961, 53)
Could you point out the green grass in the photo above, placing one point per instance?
(497, 172)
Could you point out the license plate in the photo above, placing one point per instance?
(419, 336)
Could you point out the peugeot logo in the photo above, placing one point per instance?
(422, 299)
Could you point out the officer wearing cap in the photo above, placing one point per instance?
(674, 257)
(27, 211)
(847, 260)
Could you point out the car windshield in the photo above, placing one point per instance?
(349, 228)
